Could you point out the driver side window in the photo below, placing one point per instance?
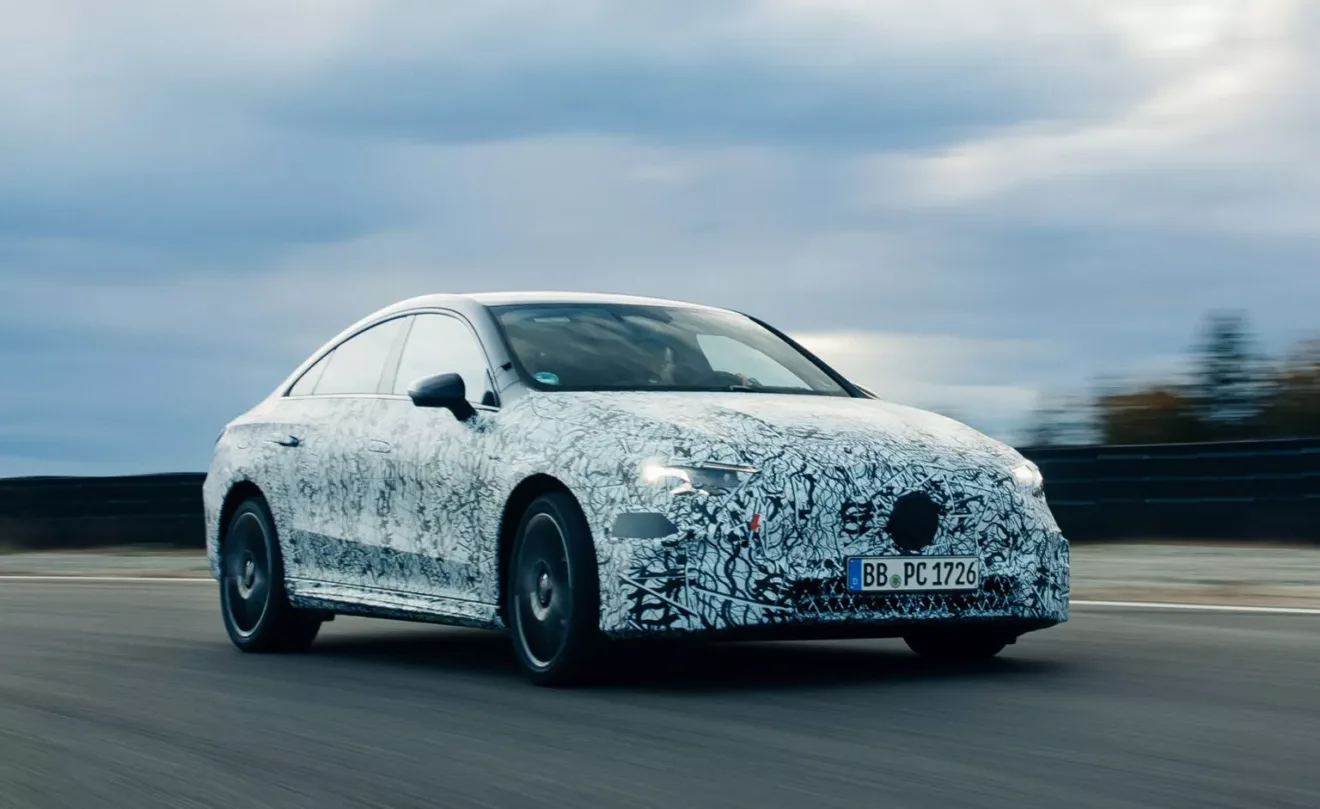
(441, 344)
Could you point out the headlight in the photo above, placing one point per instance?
(1027, 475)
(710, 478)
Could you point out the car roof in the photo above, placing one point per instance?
(514, 298)
(509, 298)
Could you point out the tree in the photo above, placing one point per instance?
(1227, 388)
(1231, 393)
(1154, 415)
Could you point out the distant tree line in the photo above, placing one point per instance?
(1231, 392)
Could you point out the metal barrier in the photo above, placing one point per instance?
(1257, 490)
(1249, 490)
(59, 513)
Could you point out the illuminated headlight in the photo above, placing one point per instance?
(1027, 475)
(710, 478)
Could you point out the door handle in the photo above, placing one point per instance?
(376, 445)
(288, 441)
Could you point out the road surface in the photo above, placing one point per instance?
(129, 695)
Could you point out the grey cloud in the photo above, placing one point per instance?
(713, 103)
(219, 139)
(193, 189)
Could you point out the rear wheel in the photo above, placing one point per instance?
(253, 602)
(553, 594)
(955, 646)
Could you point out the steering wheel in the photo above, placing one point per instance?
(725, 379)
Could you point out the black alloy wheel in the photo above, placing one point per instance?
(253, 602)
(552, 595)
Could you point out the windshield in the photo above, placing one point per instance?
(659, 348)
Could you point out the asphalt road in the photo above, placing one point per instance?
(129, 695)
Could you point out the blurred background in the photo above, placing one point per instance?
(1061, 222)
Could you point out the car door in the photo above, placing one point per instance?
(328, 464)
(294, 489)
(439, 467)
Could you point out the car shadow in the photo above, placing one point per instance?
(686, 666)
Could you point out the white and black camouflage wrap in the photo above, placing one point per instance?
(389, 509)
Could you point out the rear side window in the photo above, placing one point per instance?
(306, 384)
(440, 344)
(357, 364)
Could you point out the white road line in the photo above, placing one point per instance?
(1130, 605)
(1168, 605)
(21, 577)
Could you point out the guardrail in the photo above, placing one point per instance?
(1255, 490)
(1249, 490)
(67, 513)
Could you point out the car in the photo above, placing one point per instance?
(580, 468)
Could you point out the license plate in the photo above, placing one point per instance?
(908, 574)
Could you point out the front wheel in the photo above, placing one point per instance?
(255, 607)
(955, 646)
(553, 594)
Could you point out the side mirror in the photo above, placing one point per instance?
(444, 390)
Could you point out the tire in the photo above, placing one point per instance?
(955, 646)
(552, 593)
(253, 601)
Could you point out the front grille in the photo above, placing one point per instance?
(831, 597)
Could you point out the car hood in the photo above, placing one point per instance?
(742, 427)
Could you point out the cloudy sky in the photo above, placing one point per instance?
(967, 204)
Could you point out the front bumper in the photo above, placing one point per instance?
(688, 585)
(771, 555)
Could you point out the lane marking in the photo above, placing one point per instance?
(1130, 605)
(21, 577)
(1170, 605)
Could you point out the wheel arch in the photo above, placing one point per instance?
(238, 494)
